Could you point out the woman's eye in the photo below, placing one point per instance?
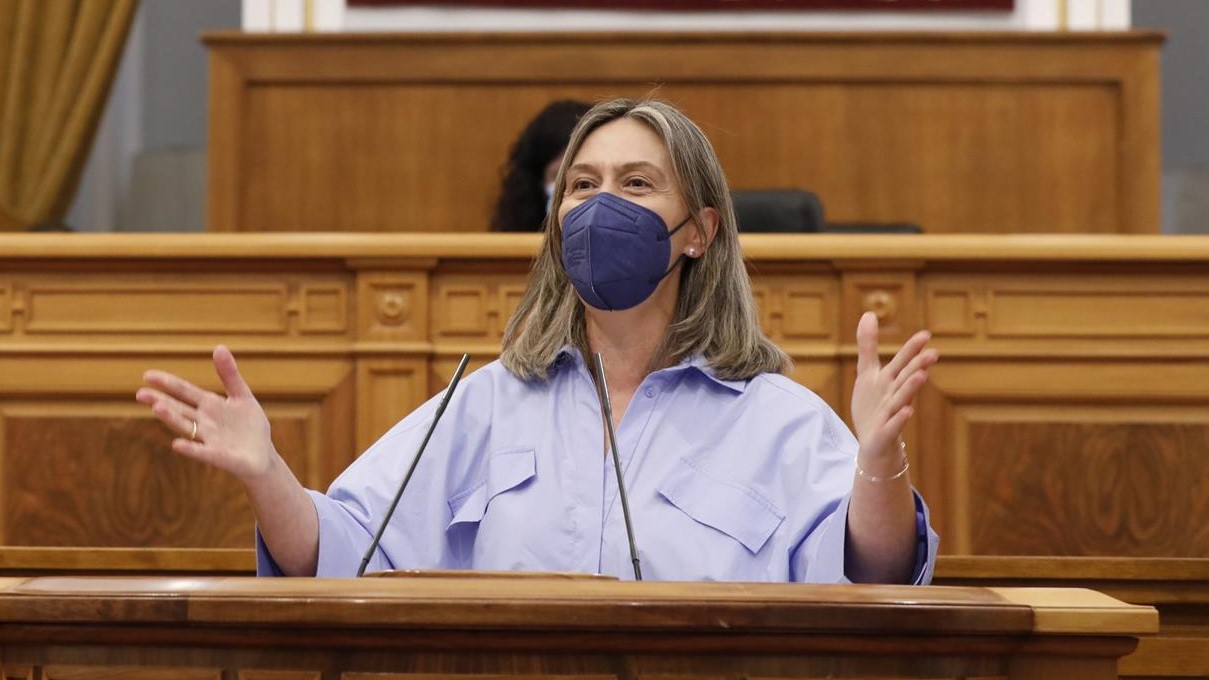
(580, 184)
(638, 182)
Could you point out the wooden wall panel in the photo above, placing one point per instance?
(388, 390)
(950, 157)
(104, 479)
(889, 294)
(1067, 457)
(82, 465)
(85, 307)
(258, 674)
(416, 157)
(132, 672)
(798, 308)
(1066, 417)
(156, 302)
(474, 306)
(1082, 482)
(103, 474)
(1088, 312)
(6, 309)
(394, 306)
(966, 132)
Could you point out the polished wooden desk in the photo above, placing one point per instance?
(1177, 588)
(542, 629)
(1068, 415)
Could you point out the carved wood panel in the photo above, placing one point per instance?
(798, 309)
(463, 676)
(129, 673)
(1087, 483)
(110, 308)
(1094, 457)
(105, 475)
(1051, 309)
(473, 307)
(6, 308)
(260, 674)
(1047, 365)
(387, 390)
(890, 295)
(159, 305)
(392, 306)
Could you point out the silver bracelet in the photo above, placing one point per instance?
(902, 446)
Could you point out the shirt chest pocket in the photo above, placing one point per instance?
(504, 472)
(734, 510)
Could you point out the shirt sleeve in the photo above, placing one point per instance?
(342, 543)
(356, 503)
(820, 557)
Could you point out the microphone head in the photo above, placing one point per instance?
(453, 382)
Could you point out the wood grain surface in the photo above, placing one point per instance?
(986, 132)
(1065, 417)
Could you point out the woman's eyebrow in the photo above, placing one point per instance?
(640, 165)
(624, 167)
(582, 167)
(594, 170)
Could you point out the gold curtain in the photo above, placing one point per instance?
(57, 61)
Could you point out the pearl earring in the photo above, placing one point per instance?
(692, 252)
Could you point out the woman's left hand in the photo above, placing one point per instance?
(882, 396)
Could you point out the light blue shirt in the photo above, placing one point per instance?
(726, 480)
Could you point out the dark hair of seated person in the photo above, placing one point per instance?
(522, 201)
(51, 226)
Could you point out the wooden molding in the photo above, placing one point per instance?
(1073, 379)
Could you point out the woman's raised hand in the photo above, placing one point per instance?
(230, 433)
(882, 396)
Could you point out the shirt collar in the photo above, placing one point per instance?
(569, 355)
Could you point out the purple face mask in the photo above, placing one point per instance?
(616, 252)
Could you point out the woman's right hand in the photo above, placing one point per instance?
(230, 433)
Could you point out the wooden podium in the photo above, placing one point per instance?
(61, 628)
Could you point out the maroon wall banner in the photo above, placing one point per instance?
(716, 5)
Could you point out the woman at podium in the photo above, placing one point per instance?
(732, 471)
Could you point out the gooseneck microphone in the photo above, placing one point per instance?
(603, 389)
(373, 545)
